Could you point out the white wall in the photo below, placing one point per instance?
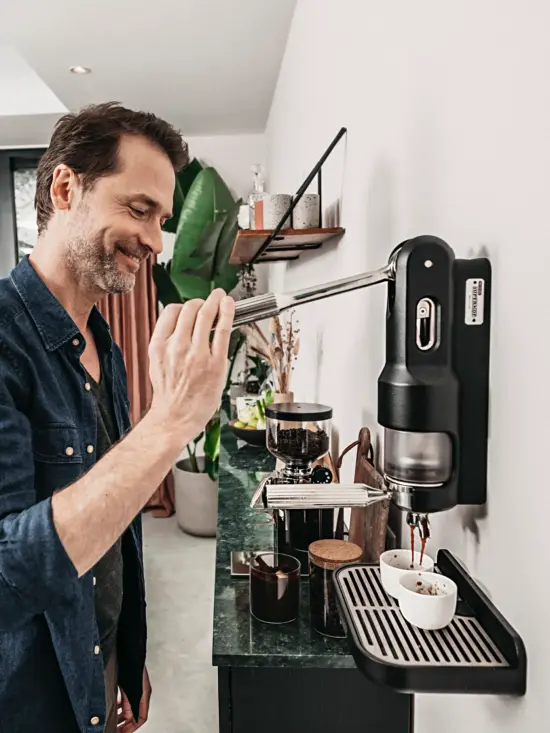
(448, 113)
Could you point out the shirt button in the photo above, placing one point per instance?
(76, 342)
(96, 650)
(90, 449)
(87, 386)
(69, 451)
(94, 580)
(94, 720)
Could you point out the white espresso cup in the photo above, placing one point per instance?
(427, 600)
(396, 563)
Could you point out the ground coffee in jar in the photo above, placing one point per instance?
(298, 444)
(326, 556)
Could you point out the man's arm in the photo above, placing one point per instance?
(188, 376)
(34, 567)
(44, 547)
(91, 514)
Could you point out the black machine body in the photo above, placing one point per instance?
(433, 393)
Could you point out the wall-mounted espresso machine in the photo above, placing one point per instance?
(432, 392)
(433, 407)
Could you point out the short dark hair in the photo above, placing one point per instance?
(88, 142)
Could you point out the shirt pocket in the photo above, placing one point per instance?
(57, 443)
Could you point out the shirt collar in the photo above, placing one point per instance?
(54, 324)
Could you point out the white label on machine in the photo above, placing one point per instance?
(475, 298)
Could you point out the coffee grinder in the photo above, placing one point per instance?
(298, 434)
(433, 391)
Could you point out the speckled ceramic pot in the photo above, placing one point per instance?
(306, 212)
(275, 205)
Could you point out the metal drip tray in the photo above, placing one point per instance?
(386, 635)
(478, 652)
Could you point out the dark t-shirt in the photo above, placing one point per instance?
(108, 571)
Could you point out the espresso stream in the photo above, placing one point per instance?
(422, 547)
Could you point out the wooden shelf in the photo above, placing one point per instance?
(287, 245)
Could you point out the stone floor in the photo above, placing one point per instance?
(180, 584)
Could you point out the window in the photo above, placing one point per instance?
(24, 184)
(17, 216)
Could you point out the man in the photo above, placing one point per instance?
(73, 477)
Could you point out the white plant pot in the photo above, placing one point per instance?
(196, 497)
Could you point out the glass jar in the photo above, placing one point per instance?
(298, 432)
(274, 587)
(326, 556)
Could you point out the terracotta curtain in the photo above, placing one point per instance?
(132, 317)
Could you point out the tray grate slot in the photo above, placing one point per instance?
(399, 636)
(367, 598)
(374, 627)
(350, 583)
(376, 580)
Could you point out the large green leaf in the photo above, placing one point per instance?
(190, 286)
(212, 468)
(202, 265)
(212, 447)
(207, 201)
(212, 438)
(228, 279)
(184, 179)
(166, 290)
(197, 263)
(208, 243)
(226, 240)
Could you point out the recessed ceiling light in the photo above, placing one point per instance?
(80, 70)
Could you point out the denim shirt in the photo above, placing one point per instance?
(51, 676)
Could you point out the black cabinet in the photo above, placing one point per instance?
(297, 700)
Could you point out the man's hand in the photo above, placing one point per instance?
(126, 722)
(188, 368)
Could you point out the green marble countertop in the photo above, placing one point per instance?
(239, 639)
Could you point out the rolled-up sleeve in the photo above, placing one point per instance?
(35, 570)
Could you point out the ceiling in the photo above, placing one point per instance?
(207, 66)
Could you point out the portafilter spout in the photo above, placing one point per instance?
(272, 304)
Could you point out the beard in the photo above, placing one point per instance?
(94, 263)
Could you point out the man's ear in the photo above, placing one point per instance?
(64, 184)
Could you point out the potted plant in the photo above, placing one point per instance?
(205, 225)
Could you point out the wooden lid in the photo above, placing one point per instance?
(334, 552)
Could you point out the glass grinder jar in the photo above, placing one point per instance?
(298, 433)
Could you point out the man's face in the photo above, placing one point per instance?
(117, 224)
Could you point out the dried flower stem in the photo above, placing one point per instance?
(279, 350)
